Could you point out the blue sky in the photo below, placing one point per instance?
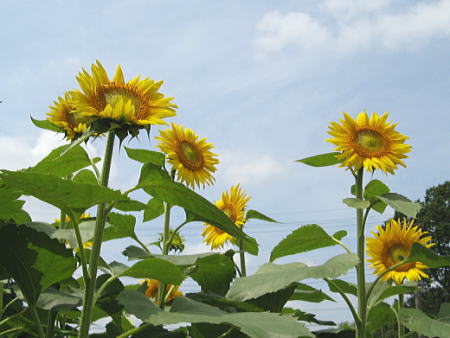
(260, 79)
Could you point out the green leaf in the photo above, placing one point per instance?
(63, 194)
(61, 166)
(308, 237)
(274, 301)
(85, 176)
(395, 290)
(306, 317)
(307, 293)
(323, 160)
(130, 205)
(374, 189)
(444, 312)
(122, 226)
(133, 252)
(356, 203)
(253, 324)
(157, 183)
(53, 299)
(157, 269)
(154, 209)
(378, 316)
(10, 206)
(34, 260)
(46, 124)
(426, 256)
(86, 230)
(344, 286)
(258, 215)
(144, 156)
(401, 204)
(214, 273)
(273, 277)
(185, 260)
(417, 321)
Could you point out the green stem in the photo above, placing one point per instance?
(165, 251)
(360, 273)
(341, 244)
(62, 220)
(400, 327)
(141, 244)
(347, 300)
(51, 323)
(4, 333)
(134, 330)
(18, 314)
(97, 172)
(177, 229)
(97, 242)
(102, 288)
(82, 254)
(242, 258)
(382, 275)
(38, 321)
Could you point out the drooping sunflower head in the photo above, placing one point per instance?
(233, 204)
(152, 290)
(370, 142)
(391, 245)
(135, 103)
(177, 243)
(65, 116)
(189, 156)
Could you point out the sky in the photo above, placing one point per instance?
(261, 80)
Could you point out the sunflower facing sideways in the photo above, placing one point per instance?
(151, 291)
(135, 103)
(233, 205)
(371, 143)
(391, 245)
(64, 115)
(189, 156)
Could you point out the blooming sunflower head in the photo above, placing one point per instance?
(189, 156)
(64, 115)
(131, 105)
(391, 245)
(151, 291)
(372, 143)
(233, 204)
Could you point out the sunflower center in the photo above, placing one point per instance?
(228, 210)
(397, 254)
(111, 94)
(190, 156)
(369, 141)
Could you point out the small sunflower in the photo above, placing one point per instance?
(369, 142)
(189, 156)
(233, 205)
(136, 102)
(391, 245)
(152, 290)
(64, 115)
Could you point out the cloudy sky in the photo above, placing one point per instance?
(260, 79)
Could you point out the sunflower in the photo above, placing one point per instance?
(64, 115)
(369, 142)
(233, 205)
(136, 102)
(391, 245)
(189, 156)
(152, 290)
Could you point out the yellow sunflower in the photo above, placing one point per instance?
(369, 142)
(233, 205)
(152, 290)
(64, 115)
(189, 156)
(391, 245)
(136, 102)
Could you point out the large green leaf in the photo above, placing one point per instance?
(144, 156)
(258, 215)
(157, 183)
(417, 321)
(389, 291)
(122, 226)
(307, 293)
(374, 189)
(214, 273)
(273, 277)
(378, 316)
(419, 253)
(308, 237)
(68, 235)
(10, 206)
(306, 317)
(154, 209)
(130, 205)
(57, 165)
(339, 285)
(323, 160)
(85, 176)
(34, 260)
(185, 260)
(63, 194)
(254, 324)
(401, 204)
(53, 299)
(356, 203)
(155, 268)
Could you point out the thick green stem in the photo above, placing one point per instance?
(38, 321)
(51, 323)
(97, 242)
(82, 254)
(400, 327)
(242, 258)
(360, 271)
(165, 251)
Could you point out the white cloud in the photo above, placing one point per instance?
(248, 168)
(356, 26)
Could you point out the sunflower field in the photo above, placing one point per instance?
(55, 283)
